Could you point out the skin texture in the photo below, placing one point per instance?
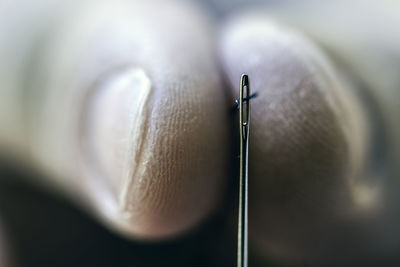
(174, 148)
(122, 106)
(308, 138)
(146, 136)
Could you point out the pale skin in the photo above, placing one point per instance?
(127, 106)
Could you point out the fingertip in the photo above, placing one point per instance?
(156, 131)
(308, 134)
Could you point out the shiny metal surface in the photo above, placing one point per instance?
(244, 123)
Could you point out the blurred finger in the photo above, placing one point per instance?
(307, 145)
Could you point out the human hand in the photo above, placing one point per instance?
(127, 110)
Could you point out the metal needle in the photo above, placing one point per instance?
(244, 121)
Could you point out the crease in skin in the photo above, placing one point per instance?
(137, 139)
(79, 130)
(159, 179)
(117, 125)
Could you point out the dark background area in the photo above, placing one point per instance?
(43, 229)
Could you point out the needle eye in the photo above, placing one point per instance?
(244, 97)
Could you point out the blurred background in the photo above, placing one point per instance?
(41, 227)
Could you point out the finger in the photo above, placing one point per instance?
(307, 141)
(130, 116)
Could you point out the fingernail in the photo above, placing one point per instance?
(116, 117)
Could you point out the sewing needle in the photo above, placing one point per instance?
(244, 122)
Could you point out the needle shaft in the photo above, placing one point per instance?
(244, 121)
